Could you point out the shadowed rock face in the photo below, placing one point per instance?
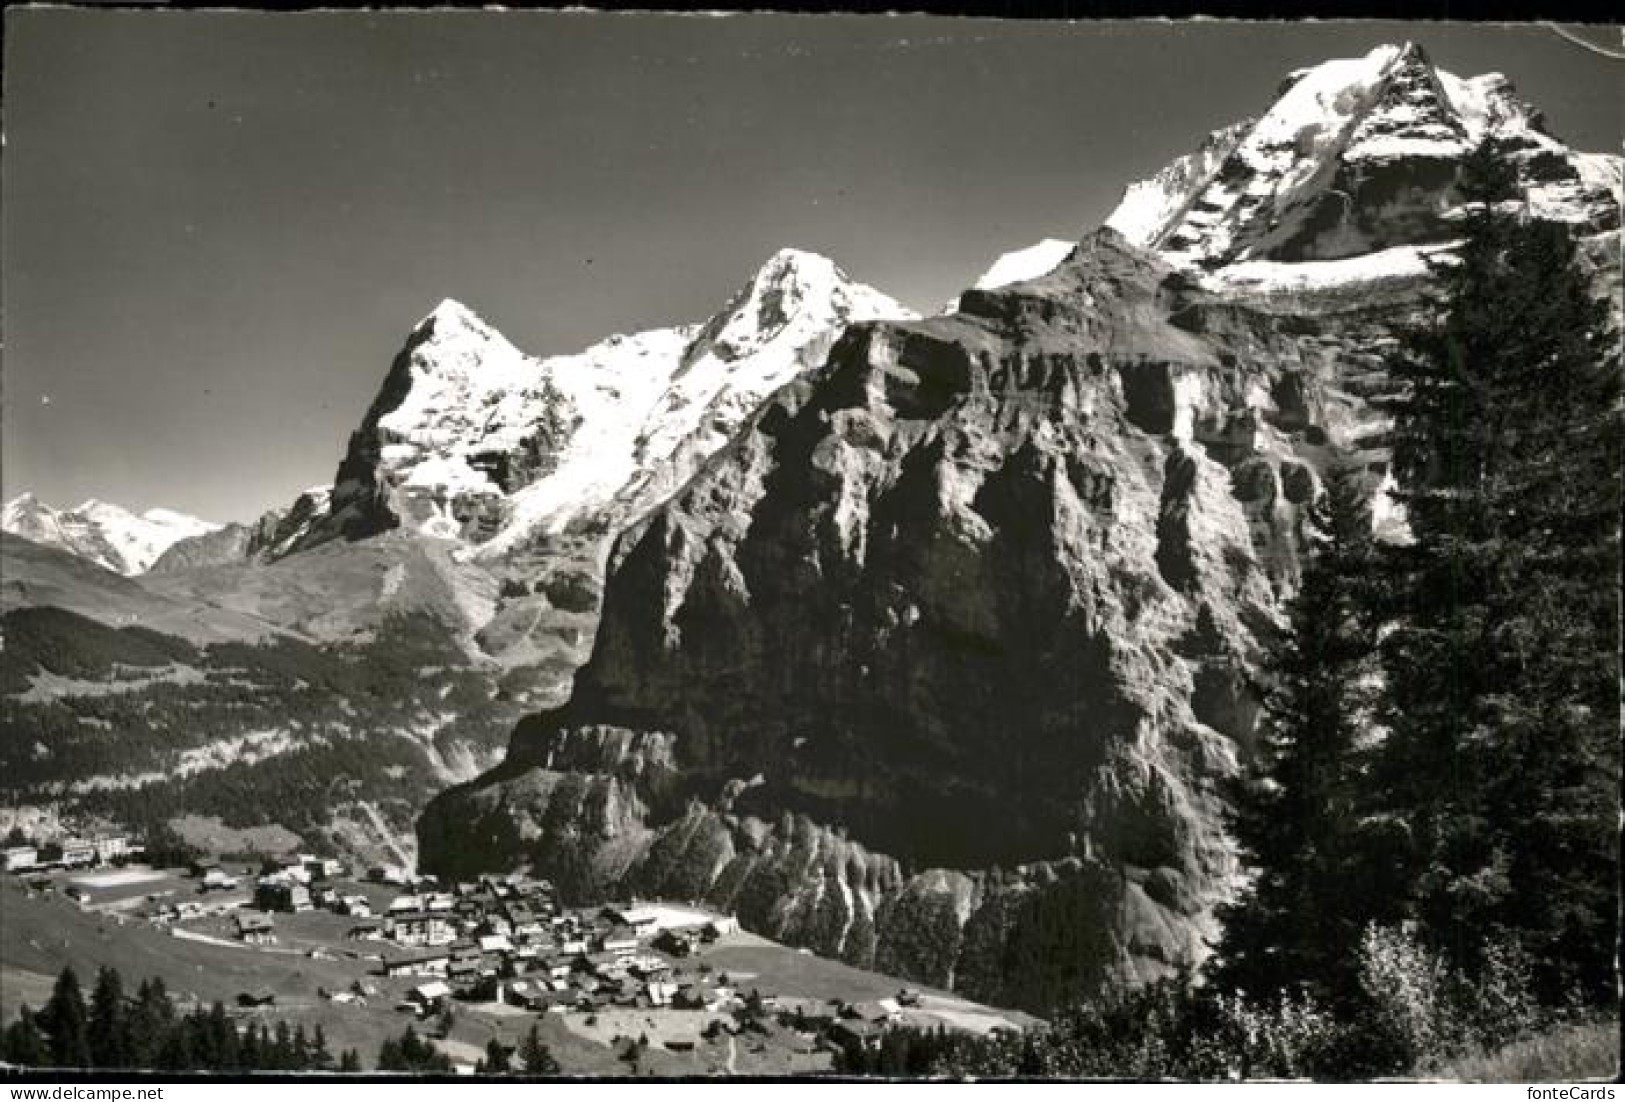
(980, 599)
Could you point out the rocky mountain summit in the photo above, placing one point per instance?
(1356, 156)
(270, 537)
(941, 666)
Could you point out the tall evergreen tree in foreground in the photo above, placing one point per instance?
(1502, 755)
(1296, 815)
(64, 1018)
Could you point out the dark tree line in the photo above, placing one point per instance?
(148, 1030)
(412, 1053)
(1441, 748)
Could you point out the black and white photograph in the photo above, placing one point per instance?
(592, 545)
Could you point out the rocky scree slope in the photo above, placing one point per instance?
(941, 665)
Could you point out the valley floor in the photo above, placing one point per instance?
(199, 960)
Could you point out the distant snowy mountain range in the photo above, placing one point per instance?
(108, 535)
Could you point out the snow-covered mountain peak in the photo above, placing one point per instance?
(793, 294)
(452, 317)
(106, 534)
(1356, 156)
(472, 439)
(691, 390)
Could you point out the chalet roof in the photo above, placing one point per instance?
(418, 916)
(396, 960)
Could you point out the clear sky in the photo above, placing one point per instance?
(219, 227)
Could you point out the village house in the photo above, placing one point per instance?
(495, 943)
(276, 893)
(648, 968)
(429, 997)
(702, 995)
(355, 906)
(640, 920)
(421, 928)
(619, 940)
(368, 929)
(20, 858)
(405, 904)
(111, 847)
(522, 920)
(77, 854)
(255, 929)
(463, 975)
(430, 963)
(291, 868)
(215, 878)
(554, 965)
(322, 868)
(676, 943)
(389, 874)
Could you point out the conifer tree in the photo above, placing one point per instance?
(1296, 815)
(536, 1056)
(250, 1051)
(64, 1018)
(299, 1051)
(496, 1060)
(321, 1057)
(1502, 755)
(25, 1045)
(107, 1026)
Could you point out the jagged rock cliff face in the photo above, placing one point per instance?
(982, 597)
(949, 651)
